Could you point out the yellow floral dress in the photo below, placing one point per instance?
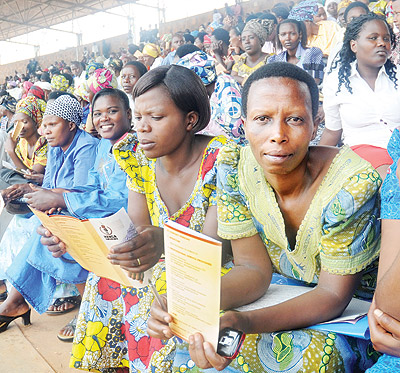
(243, 70)
(340, 234)
(111, 328)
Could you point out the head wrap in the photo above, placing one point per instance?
(202, 64)
(93, 66)
(152, 50)
(27, 86)
(83, 90)
(67, 108)
(8, 102)
(102, 78)
(44, 85)
(37, 92)
(59, 83)
(115, 64)
(262, 28)
(207, 40)
(343, 4)
(32, 107)
(304, 11)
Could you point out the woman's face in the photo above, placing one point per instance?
(321, 15)
(234, 39)
(148, 60)
(279, 124)
(29, 128)
(251, 43)
(289, 36)
(372, 47)
(332, 9)
(340, 18)
(58, 131)
(161, 126)
(198, 43)
(110, 118)
(129, 77)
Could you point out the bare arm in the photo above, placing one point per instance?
(238, 78)
(330, 138)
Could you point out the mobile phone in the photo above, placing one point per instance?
(229, 342)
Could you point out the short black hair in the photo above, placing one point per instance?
(184, 87)
(201, 35)
(281, 12)
(142, 69)
(269, 16)
(122, 96)
(188, 38)
(45, 77)
(282, 70)
(56, 94)
(301, 28)
(185, 49)
(356, 4)
(222, 34)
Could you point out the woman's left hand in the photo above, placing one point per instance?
(385, 331)
(34, 176)
(203, 354)
(42, 199)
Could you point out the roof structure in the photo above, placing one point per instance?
(19, 17)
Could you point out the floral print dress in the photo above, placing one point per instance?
(111, 330)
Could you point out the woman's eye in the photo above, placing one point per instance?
(137, 118)
(262, 119)
(295, 120)
(156, 118)
(95, 115)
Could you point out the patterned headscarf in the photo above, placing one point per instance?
(27, 86)
(93, 66)
(115, 64)
(67, 108)
(8, 102)
(202, 64)
(32, 107)
(37, 92)
(152, 50)
(262, 28)
(83, 90)
(343, 4)
(60, 83)
(304, 11)
(102, 78)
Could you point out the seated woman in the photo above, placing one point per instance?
(130, 74)
(254, 35)
(29, 151)
(169, 177)
(292, 35)
(361, 97)
(105, 191)
(384, 315)
(313, 211)
(27, 268)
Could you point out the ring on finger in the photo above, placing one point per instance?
(138, 262)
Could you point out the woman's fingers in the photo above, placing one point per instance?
(197, 353)
(388, 323)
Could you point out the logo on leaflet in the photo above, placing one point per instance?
(107, 233)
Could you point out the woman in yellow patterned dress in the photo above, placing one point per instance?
(171, 175)
(313, 210)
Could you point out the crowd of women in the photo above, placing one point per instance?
(279, 137)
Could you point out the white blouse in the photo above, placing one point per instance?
(366, 116)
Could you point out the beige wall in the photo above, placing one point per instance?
(67, 55)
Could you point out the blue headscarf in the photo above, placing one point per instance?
(202, 64)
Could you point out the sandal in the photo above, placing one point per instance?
(75, 301)
(71, 325)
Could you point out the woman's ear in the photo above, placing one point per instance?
(353, 46)
(192, 119)
(244, 127)
(71, 126)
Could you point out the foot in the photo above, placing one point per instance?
(12, 309)
(64, 305)
(66, 334)
(62, 308)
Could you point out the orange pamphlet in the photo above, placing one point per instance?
(193, 273)
(88, 242)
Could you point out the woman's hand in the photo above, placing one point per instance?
(34, 176)
(53, 243)
(385, 331)
(157, 325)
(43, 199)
(15, 191)
(141, 252)
(10, 144)
(203, 354)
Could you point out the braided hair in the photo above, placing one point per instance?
(346, 55)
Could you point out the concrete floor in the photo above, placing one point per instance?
(35, 348)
